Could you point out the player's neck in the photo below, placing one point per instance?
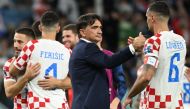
(160, 28)
(48, 35)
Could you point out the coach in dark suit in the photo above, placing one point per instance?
(87, 64)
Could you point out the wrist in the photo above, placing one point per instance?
(129, 97)
(132, 49)
(25, 78)
(57, 84)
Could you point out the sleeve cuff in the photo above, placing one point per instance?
(132, 49)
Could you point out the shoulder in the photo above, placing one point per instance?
(7, 64)
(30, 45)
(154, 40)
(152, 44)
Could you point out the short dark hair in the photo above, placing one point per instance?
(49, 19)
(71, 27)
(86, 20)
(160, 7)
(35, 27)
(27, 31)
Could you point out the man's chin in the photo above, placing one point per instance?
(16, 55)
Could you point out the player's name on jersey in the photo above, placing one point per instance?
(52, 55)
(178, 45)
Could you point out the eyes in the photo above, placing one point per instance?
(96, 27)
(66, 36)
(18, 41)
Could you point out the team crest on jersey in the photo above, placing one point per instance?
(148, 49)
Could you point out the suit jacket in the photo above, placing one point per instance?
(89, 80)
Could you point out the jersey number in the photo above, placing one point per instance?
(174, 71)
(52, 67)
(186, 94)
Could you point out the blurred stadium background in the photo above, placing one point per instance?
(122, 18)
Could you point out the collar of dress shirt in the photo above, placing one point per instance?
(85, 40)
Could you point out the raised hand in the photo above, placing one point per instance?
(32, 71)
(138, 42)
(48, 83)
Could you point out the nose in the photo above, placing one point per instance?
(64, 39)
(16, 44)
(100, 31)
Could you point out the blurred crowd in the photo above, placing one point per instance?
(122, 18)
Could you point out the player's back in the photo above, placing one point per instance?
(164, 90)
(53, 58)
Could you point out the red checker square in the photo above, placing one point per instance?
(151, 41)
(31, 48)
(36, 99)
(31, 106)
(147, 88)
(19, 106)
(42, 104)
(18, 96)
(25, 48)
(157, 98)
(47, 100)
(30, 94)
(152, 91)
(180, 103)
(24, 101)
(24, 57)
(162, 104)
(151, 105)
(34, 41)
(154, 47)
(168, 98)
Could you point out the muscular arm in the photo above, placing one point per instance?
(51, 83)
(142, 80)
(12, 88)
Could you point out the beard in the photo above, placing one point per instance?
(16, 54)
(69, 44)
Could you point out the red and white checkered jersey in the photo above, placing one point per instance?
(54, 60)
(164, 89)
(20, 100)
(186, 91)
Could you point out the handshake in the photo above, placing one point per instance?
(137, 42)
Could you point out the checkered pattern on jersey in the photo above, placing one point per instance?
(20, 101)
(42, 103)
(152, 46)
(7, 75)
(151, 100)
(25, 54)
